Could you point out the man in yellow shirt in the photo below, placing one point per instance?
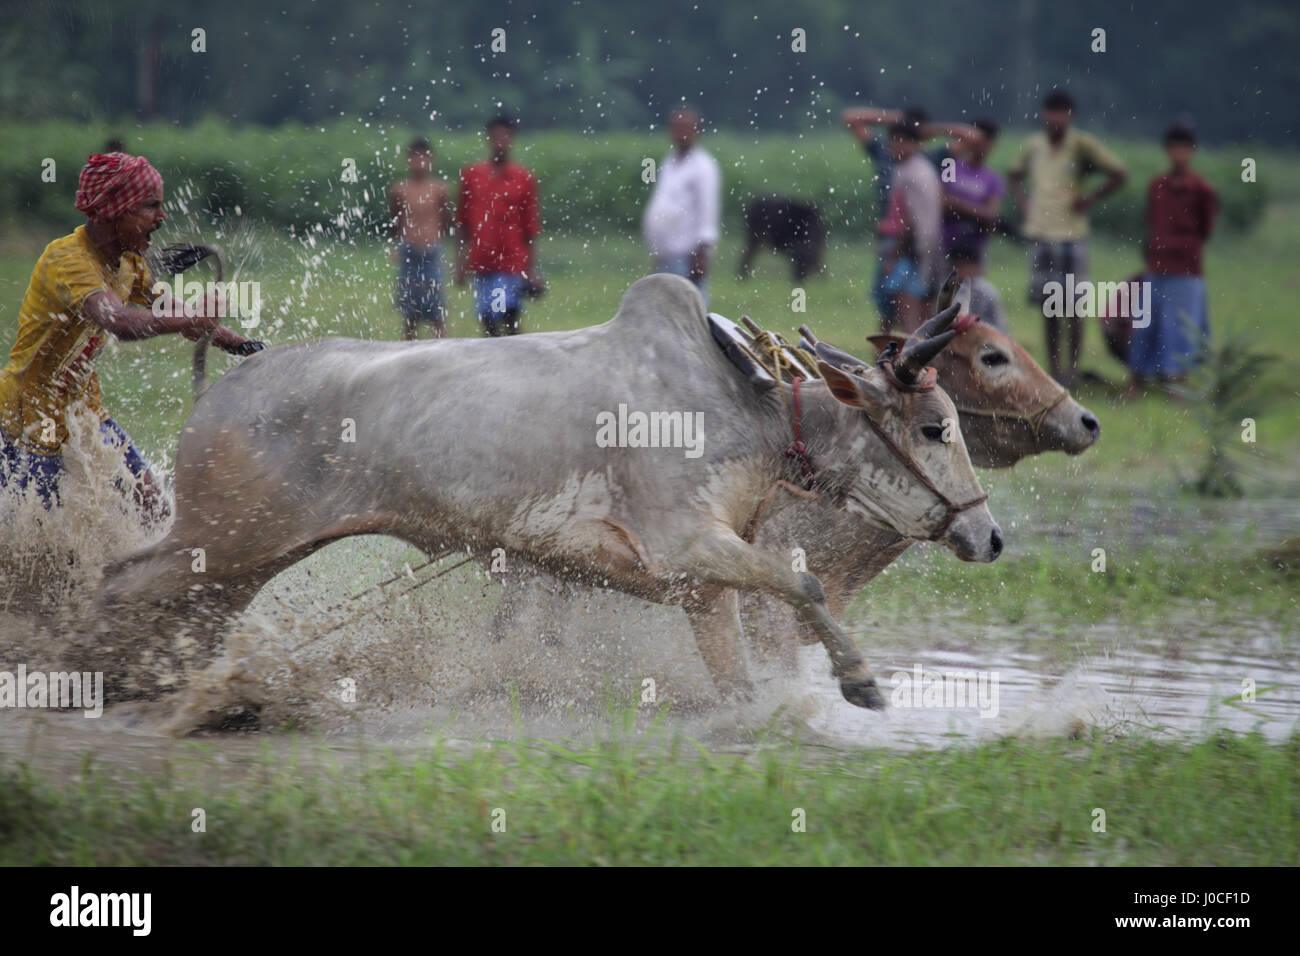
(85, 287)
(1056, 163)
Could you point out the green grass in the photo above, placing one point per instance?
(1226, 801)
(1140, 586)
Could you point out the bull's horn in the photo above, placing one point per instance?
(841, 360)
(917, 354)
(936, 324)
(946, 293)
(807, 333)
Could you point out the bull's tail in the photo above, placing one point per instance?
(173, 260)
(199, 366)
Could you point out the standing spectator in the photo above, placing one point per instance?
(972, 200)
(681, 222)
(1181, 208)
(499, 219)
(1056, 162)
(420, 211)
(911, 231)
(862, 122)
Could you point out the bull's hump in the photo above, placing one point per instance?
(663, 304)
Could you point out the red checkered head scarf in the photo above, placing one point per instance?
(112, 184)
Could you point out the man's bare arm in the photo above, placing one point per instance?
(1112, 183)
(394, 212)
(1017, 182)
(860, 119)
(131, 323)
(446, 211)
(959, 134)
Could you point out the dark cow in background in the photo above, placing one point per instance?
(789, 226)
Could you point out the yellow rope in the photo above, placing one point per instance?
(773, 356)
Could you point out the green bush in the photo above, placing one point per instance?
(292, 175)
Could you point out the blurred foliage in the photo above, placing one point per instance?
(591, 184)
(583, 65)
(1229, 385)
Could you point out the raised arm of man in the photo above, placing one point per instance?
(860, 119)
(959, 134)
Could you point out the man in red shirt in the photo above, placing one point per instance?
(1181, 208)
(498, 218)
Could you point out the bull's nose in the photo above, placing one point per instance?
(1090, 422)
(995, 542)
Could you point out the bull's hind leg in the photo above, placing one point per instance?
(160, 615)
(165, 610)
(732, 562)
(714, 615)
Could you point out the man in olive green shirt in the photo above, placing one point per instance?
(1056, 162)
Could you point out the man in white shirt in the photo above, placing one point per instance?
(681, 223)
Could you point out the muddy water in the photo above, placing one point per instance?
(361, 647)
(1185, 688)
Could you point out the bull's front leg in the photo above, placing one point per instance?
(734, 563)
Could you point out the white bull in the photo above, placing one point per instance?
(484, 444)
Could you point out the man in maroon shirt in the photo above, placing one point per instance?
(498, 218)
(1181, 208)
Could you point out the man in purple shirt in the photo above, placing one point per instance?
(972, 198)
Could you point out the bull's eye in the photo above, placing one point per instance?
(992, 359)
(932, 432)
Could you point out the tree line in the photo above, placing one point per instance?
(760, 65)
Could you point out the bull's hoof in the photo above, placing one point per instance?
(863, 693)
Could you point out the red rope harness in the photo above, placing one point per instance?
(797, 449)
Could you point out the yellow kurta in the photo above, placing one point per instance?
(1056, 181)
(51, 366)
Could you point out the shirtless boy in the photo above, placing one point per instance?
(421, 215)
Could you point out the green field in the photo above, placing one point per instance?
(1226, 801)
(662, 798)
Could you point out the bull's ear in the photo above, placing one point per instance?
(881, 342)
(853, 389)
